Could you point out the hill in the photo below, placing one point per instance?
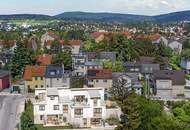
(105, 17)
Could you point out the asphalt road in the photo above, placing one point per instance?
(9, 109)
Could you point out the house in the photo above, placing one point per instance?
(4, 79)
(84, 107)
(93, 65)
(99, 78)
(176, 47)
(132, 67)
(169, 84)
(185, 64)
(78, 64)
(72, 45)
(56, 76)
(19, 87)
(5, 57)
(48, 36)
(34, 77)
(107, 56)
(130, 81)
(7, 45)
(97, 36)
(44, 59)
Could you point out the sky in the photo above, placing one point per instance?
(53, 7)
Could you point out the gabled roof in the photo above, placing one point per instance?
(54, 71)
(3, 73)
(8, 42)
(63, 42)
(177, 77)
(95, 35)
(33, 71)
(152, 37)
(52, 34)
(44, 59)
(99, 74)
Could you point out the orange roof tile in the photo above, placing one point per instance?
(33, 71)
(100, 74)
(44, 59)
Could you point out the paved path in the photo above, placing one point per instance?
(9, 111)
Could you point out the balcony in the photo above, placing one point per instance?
(81, 104)
(98, 115)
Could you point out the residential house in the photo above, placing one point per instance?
(7, 45)
(48, 36)
(79, 107)
(107, 56)
(132, 67)
(93, 65)
(44, 59)
(72, 45)
(169, 84)
(5, 57)
(130, 81)
(154, 38)
(78, 64)
(185, 64)
(176, 47)
(34, 77)
(56, 76)
(4, 79)
(97, 36)
(99, 78)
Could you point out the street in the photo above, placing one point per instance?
(10, 107)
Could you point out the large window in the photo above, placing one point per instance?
(79, 99)
(56, 107)
(42, 107)
(65, 108)
(95, 121)
(78, 112)
(98, 110)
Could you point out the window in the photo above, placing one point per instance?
(84, 121)
(97, 81)
(36, 78)
(105, 81)
(56, 107)
(79, 98)
(42, 78)
(41, 117)
(95, 121)
(52, 98)
(78, 112)
(95, 102)
(42, 107)
(42, 86)
(98, 110)
(36, 86)
(65, 108)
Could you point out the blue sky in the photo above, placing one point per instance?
(52, 7)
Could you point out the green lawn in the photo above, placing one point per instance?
(40, 127)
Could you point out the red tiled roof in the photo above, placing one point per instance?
(95, 35)
(44, 59)
(7, 42)
(153, 37)
(53, 35)
(99, 74)
(70, 42)
(32, 71)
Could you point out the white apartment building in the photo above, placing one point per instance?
(84, 107)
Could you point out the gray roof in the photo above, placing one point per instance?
(54, 71)
(94, 93)
(93, 63)
(177, 77)
(52, 92)
(149, 68)
(3, 73)
(108, 56)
